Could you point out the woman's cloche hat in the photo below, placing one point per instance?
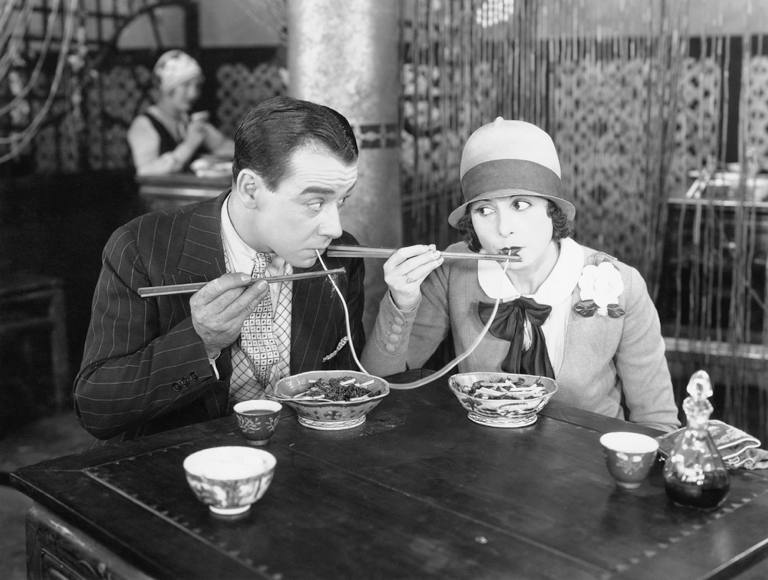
(506, 158)
(175, 67)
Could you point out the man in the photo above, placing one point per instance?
(152, 364)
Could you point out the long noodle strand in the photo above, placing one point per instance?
(455, 361)
(433, 376)
(346, 316)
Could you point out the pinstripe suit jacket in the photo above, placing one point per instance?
(144, 367)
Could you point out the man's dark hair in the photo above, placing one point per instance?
(272, 130)
(561, 227)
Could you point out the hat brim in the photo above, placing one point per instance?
(566, 206)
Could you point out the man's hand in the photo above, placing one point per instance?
(406, 269)
(221, 306)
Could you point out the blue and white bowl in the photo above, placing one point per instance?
(509, 412)
(229, 479)
(328, 415)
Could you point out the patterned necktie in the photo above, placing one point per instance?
(281, 327)
(257, 343)
(510, 324)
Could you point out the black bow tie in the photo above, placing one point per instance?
(509, 324)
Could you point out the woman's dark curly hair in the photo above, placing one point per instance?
(561, 227)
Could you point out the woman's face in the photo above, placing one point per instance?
(184, 95)
(520, 222)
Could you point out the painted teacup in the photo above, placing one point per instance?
(258, 419)
(629, 457)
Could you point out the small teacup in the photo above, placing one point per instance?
(258, 419)
(629, 457)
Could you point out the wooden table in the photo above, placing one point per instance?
(175, 189)
(418, 491)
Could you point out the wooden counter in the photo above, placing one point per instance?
(173, 190)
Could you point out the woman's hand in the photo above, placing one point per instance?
(406, 269)
(196, 133)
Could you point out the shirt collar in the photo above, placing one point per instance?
(557, 287)
(240, 254)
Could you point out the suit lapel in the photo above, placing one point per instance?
(202, 259)
(203, 253)
(314, 329)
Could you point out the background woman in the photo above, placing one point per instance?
(166, 138)
(568, 311)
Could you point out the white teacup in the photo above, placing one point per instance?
(229, 479)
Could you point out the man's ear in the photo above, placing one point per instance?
(249, 187)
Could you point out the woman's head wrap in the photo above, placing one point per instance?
(175, 67)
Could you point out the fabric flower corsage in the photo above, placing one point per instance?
(600, 286)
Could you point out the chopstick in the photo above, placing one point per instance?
(364, 252)
(147, 291)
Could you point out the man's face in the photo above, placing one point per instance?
(302, 214)
(518, 221)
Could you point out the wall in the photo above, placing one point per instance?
(632, 17)
(229, 24)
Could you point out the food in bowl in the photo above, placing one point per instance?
(330, 400)
(339, 389)
(229, 479)
(499, 399)
(506, 388)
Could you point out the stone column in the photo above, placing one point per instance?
(344, 54)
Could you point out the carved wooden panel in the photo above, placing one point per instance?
(58, 550)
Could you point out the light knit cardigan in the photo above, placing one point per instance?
(603, 364)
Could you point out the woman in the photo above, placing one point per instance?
(567, 311)
(166, 138)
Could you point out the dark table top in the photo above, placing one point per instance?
(418, 491)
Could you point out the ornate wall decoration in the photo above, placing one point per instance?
(755, 85)
(600, 132)
(240, 87)
(116, 97)
(698, 118)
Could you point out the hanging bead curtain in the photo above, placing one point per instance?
(603, 89)
(639, 104)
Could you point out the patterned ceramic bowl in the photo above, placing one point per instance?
(324, 414)
(229, 479)
(502, 399)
